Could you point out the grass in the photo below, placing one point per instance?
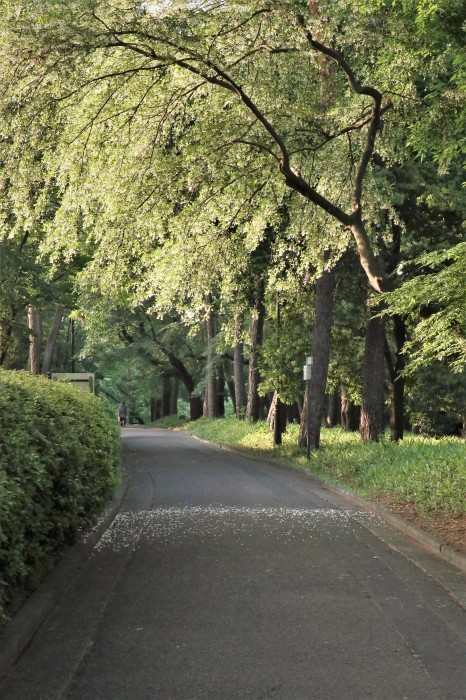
(426, 474)
(168, 422)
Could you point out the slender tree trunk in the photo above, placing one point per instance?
(277, 418)
(321, 337)
(373, 392)
(293, 413)
(211, 394)
(152, 409)
(221, 391)
(350, 413)
(397, 419)
(5, 338)
(230, 383)
(174, 396)
(256, 337)
(35, 339)
(52, 339)
(238, 370)
(166, 395)
(333, 409)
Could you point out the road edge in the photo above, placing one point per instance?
(422, 537)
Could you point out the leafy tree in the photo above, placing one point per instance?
(436, 297)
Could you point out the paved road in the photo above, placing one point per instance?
(223, 577)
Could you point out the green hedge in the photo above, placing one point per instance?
(59, 457)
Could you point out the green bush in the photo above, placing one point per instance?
(59, 456)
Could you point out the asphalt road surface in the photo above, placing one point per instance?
(222, 577)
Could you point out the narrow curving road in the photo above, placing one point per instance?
(222, 577)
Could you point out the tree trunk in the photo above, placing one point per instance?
(256, 337)
(230, 383)
(195, 407)
(373, 392)
(221, 391)
(35, 339)
(276, 418)
(397, 418)
(52, 339)
(166, 395)
(293, 414)
(333, 409)
(321, 337)
(238, 370)
(174, 396)
(195, 402)
(5, 337)
(350, 413)
(211, 393)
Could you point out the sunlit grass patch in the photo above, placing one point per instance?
(168, 422)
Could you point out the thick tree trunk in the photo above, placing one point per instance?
(35, 339)
(256, 337)
(321, 337)
(373, 392)
(52, 339)
(211, 394)
(195, 407)
(238, 370)
(174, 396)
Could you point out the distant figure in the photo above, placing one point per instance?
(122, 413)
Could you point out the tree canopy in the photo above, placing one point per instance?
(168, 145)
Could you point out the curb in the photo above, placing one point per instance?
(18, 632)
(420, 536)
(416, 533)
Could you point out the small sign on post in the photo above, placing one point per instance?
(82, 380)
(307, 374)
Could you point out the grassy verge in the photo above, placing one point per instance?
(422, 478)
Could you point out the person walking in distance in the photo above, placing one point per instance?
(122, 414)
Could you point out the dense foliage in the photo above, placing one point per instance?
(59, 456)
(180, 175)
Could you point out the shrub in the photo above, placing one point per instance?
(59, 454)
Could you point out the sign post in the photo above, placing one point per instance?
(307, 373)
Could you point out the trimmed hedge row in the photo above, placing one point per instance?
(59, 457)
